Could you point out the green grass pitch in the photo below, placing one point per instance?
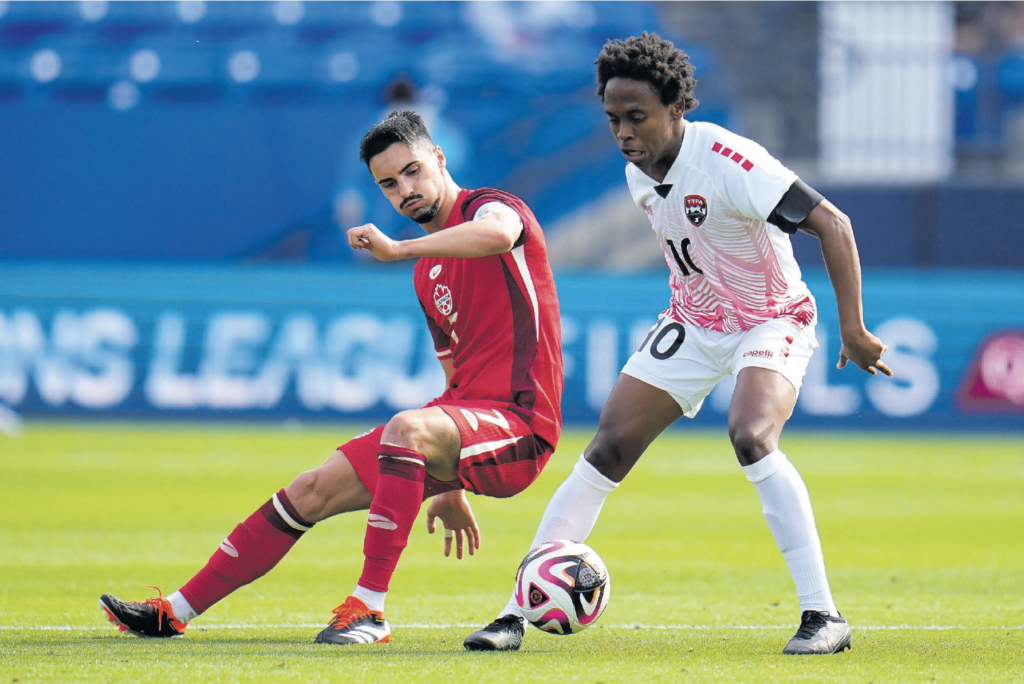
(923, 539)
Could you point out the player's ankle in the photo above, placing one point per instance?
(180, 607)
(374, 600)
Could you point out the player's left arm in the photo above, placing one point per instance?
(835, 232)
(493, 233)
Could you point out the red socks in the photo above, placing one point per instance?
(266, 536)
(396, 503)
(249, 552)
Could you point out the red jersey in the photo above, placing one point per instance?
(497, 319)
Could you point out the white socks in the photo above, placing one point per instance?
(572, 511)
(179, 606)
(183, 612)
(574, 507)
(787, 509)
(374, 600)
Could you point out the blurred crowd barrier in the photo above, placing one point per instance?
(274, 343)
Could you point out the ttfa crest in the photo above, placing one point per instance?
(443, 299)
(696, 208)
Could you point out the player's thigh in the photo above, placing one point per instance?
(769, 361)
(634, 415)
(779, 346)
(362, 453)
(333, 488)
(429, 431)
(761, 404)
(681, 360)
(500, 455)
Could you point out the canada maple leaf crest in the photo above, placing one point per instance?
(443, 299)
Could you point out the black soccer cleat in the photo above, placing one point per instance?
(504, 634)
(819, 634)
(152, 618)
(354, 623)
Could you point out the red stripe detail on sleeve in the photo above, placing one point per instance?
(717, 146)
(747, 165)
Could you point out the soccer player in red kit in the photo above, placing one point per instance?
(486, 288)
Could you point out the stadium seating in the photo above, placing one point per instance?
(513, 83)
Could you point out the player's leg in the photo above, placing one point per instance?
(413, 444)
(634, 415)
(666, 378)
(254, 547)
(762, 403)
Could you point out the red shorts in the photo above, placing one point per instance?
(501, 456)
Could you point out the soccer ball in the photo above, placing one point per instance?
(562, 587)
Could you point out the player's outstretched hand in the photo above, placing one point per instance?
(369, 236)
(865, 350)
(457, 517)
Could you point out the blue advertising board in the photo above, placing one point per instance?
(271, 342)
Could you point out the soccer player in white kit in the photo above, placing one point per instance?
(722, 208)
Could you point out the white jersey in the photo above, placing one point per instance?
(730, 268)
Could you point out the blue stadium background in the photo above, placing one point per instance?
(174, 178)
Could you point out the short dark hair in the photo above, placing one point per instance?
(405, 127)
(651, 59)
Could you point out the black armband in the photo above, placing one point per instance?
(795, 206)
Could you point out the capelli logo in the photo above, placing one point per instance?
(759, 353)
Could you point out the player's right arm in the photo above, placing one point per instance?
(833, 229)
(493, 233)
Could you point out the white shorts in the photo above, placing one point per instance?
(687, 361)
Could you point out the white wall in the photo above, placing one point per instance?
(886, 105)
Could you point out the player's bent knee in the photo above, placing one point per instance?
(309, 496)
(749, 444)
(331, 489)
(407, 429)
(611, 456)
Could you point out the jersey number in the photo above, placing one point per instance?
(474, 418)
(672, 348)
(685, 245)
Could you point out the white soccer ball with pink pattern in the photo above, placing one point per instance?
(562, 587)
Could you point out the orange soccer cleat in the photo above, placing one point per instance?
(354, 623)
(152, 618)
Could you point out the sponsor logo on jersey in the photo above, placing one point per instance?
(443, 299)
(436, 271)
(759, 353)
(696, 208)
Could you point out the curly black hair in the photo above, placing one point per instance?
(405, 127)
(649, 58)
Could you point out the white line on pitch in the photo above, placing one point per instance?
(682, 628)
